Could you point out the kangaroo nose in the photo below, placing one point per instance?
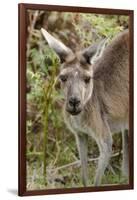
(73, 101)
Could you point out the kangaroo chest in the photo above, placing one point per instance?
(78, 124)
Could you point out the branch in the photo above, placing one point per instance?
(78, 163)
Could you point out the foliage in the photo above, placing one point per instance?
(50, 144)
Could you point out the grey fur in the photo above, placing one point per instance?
(101, 106)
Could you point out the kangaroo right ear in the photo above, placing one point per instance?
(94, 52)
(61, 50)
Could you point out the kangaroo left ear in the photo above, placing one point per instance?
(61, 50)
(94, 52)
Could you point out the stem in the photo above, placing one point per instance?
(47, 95)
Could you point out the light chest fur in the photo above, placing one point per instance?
(79, 124)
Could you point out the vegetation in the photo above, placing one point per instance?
(52, 157)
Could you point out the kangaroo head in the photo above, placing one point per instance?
(76, 72)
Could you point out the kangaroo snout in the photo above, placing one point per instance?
(74, 101)
(73, 106)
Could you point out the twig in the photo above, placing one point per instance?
(79, 163)
(29, 154)
(111, 169)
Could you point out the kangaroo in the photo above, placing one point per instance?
(95, 83)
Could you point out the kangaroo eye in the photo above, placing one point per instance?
(63, 78)
(87, 79)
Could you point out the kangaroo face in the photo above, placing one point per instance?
(76, 74)
(77, 86)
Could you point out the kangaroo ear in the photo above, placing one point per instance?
(94, 52)
(58, 46)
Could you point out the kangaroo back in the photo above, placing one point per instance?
(111, 76)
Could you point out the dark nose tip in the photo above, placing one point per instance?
(73, 101)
